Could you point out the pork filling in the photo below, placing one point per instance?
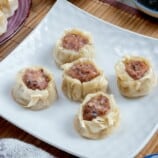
(36, 79)
(74, 41)
(136, 69)
(97, 106)
(83, 72)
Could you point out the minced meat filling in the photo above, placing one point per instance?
(74, 41)
(83, 72)
(136, 69)
(36, 79)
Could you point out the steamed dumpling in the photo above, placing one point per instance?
(98, 116)
(82, 77)
(34, 88)
(8, 7)
(135, 76)
(3, 23)
(73, 44)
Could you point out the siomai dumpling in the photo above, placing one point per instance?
(98, 116)
(3, 23)
(35, 88)
(135, 76)
(73, 44)
(82, 77)
(8, 7)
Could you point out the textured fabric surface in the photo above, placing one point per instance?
(12, 148)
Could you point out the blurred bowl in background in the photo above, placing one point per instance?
(147, 8)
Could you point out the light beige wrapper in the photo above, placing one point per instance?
(101, 126)
(34, 99)
(8, 7)
(76, 90)
(63, 56)
(3, 23)
(134, 88)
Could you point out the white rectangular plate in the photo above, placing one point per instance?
(55, 124)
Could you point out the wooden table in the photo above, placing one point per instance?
(126, 18)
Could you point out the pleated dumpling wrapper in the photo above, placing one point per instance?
(73, 44)
(135, 76)
(35, 88)
(3, 23)
(8, 7)
(82, 77)
(98, 116)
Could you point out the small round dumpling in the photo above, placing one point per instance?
(82, 77)
(73, 44)
(35, 88)
(8, 7)
(135, 76)
(3, 23)
(98, 116)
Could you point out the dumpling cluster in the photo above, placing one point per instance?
(84, 81)
(7, 9)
